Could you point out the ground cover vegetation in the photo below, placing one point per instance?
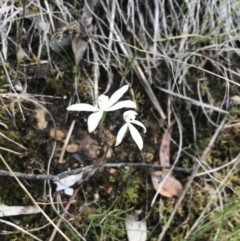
(161, 136)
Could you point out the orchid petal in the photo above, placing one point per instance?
(93, 120)
(68, 181)
(117, 95)
(68, 191)
(82, 107)
(103, 102)
(136, 136)
(129, 115)
(60, 186)
(139, 124)
(121, 134)
(123, 104)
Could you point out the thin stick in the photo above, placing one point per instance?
(194, 102)
(66, 142)
(87, 168)
(21, 230)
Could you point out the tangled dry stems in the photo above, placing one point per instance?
(182, 47)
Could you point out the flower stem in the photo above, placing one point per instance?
(101, 126)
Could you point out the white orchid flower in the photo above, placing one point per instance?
(129, 117)
(66, 182)
(104, 104)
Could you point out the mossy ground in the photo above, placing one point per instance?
(119, 190)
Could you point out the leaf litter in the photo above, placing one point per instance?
(163, 181)
(40, 116)
(163, 176)
(6, 210)
(136, 230)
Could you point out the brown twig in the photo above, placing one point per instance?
(88, 168)
(66, 142)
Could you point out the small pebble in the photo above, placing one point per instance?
(60, 135)
(96, 196)
(72, 148)
(78, 157)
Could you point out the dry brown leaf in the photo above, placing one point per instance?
(164, 151)
(170, 186)
(148, 156)
(40, 118)
(79, 47)
(57, 134)
(71, 148)
(163, 181)
(89, 147)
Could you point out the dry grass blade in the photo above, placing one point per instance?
(149, 90)
(79, 47)
(66, 142)
(20, 229)
(135, 64)
(62, 217)
(2, 135)
(195, 102)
